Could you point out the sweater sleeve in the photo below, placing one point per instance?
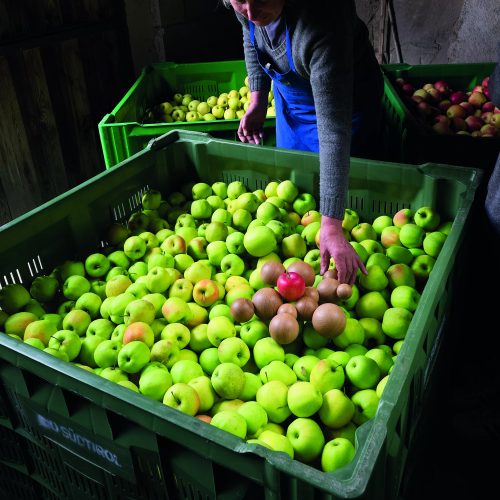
(257, 78)
(494, 82)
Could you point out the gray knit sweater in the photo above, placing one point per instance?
(331, 48)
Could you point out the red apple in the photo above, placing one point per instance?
(458, 97)
(291, 285)
(456, 111)
(474, 123)
(469, 108)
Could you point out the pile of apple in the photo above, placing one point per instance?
(448, 111)
(210, 301)
(230, 105)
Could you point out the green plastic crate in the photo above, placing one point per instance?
(123, 132)
(107, 441)
(406, 140)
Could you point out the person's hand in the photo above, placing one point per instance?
(252, 122)
(333, 243)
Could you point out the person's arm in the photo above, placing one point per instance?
(251, 124)
(325, 49)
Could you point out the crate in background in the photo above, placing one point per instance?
(406, 140)
(123, 131)
(112, 439)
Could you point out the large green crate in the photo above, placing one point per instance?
(123, 132)
(404, 137)
(107, 441)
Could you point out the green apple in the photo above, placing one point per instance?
(181, 288)
(16, 323)
(87, 350)
(216, 231)
(220, 309)
(233, 350)
(372, 247)
(209, 359)
(363, 231)
(337, 409)
(184, 370)
(106, 353)
(241, 219)
(235, 242)
(198, 340)
(154, 380)
(356, 350)
(433, 243)
(114, 307)
(374, 334)
(276, 442)
(70, 268)
(230, 421)
(341, 357)
(66, 341)
(381, 386)
(165, 351)
(303, 203)
(216, 251)
(201, 190)
(220, 328)
(75, 286)
(278, 370)
(427, 218)
(421, 267)
(336, 454)
(219, 187)
(134, 247)
(266, 212)
(89, 302)
(365, 405)
(293, 246)
(374, 280)
(255, 416)
(176, 310)
(312, 338)
(156, 300)
(396, 322)
(223, 216)
(137, 270)
(399, 254)
(327, 374)
(309, 233)
(174, 244)
(183, 398)
(381, 222)
(411, 235)
(362, 372)
(287, 190)
(304, 365)
(112, 373)
(178, 333)
(134, 356)
(206, 392)
(252, 331)
(139, 310)
(382, 358)
(350, 219)
(390, 236)
(266, 350)
(199, 270)
(304, 399)
(272, 396)
(232, 265)
(248, 201)
(307, 439)
(235, 189)
(252, 384)
(401, 274)
(117, 285)
(405, 296)
(271, 189)
(228, 380)
(101, 327)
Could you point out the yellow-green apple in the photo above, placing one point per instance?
(165, 351)
(154, 380)
(199, 315)
(177, 332)
(181, 288)
(235, 189)
(241, 219)
(216, 251)
(336, 410)
(116, 308)
(220, 328)
(411, 235)
(271, 189)
(307, 439)
(274, 441)
(232, 265)
(216, 231)
(99, 288)
(174, 244)
(235, 243)
(397, 254)
(362, 372)
(228, 380)
(356, 350)
(312, 339)
(382, 358)
(118, 332)
(267, 211)
(134, 247)
(390, 236)
(209, 359)
(363, 231)
(237, 292)
(185, 370)
(252, 331)
(219, 187)
(101, 327)
(106, 353)
(248, 201)
(422, 267)
(76, 320)
(325, 374)
(433, 243)
(197, 248)
(381, 222)
(304, 399)
(278, 370)
(287, 190)
(201, 190)
(272, 396)
(117, 285)
(133, 356)
(252, 384)
(219, 309)
(206, 392)
(255, 416)
(160, 260)
(304, 365)
(222, 215)
(44, 288)
(266, 350)
(66, 341)
(336, 454)
(309, 217)
(200, 269)
(87, 350)
(128, 384)
(365, 405)
(427, 218)
(139, 310)
(372, 246)
(115, 271)
(37, 343)
(183, 398)
(89, 302)
(353, 333)
(151, 199)
(57, 353)
(350, 219)
(157, 300)
(176, 310)
(401, 274)
(374, 334)
(233, 350)
(201, 209)
(75, 286)
(374, 280)
(112, 373)
(163, 234)
(340, 357)
(16, 323)
(230, 421)
(137, 270)
(396, 322)
(216, 202)
(293, 246)
(405, 296)
(151, 240)
(198, 340)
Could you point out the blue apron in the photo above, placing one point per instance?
(296, 126)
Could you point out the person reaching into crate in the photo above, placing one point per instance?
(327, 87)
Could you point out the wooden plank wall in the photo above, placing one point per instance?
(63, 66)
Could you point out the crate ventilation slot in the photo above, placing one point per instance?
(13, 277)
(202, 89)
(252, 180)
